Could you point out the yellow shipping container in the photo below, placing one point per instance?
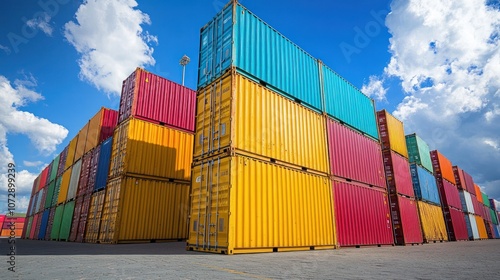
(432, 221)
(63, 190)
(147, 149)
(80, 145)
(142, 210)
(392, 133)
(235, 113)
(71, 152)
(481, 227)
(244, 205)
(94, 217)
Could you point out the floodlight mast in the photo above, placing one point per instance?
(184, 61)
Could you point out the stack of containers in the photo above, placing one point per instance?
(150, 167)
(404, 212)
(487, 215)
(494, 218)
(465, 183)
(426, 190)
(450, 199)
(261, 154)
(480, 215)
(19, 220)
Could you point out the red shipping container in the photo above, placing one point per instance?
(362, 215)
(459, 178)
(38, 225)
(108, 124)
(93, 169)
(43, 178)
(50, 223)
(2, 219)
(449, 194)
(397, 172)
(405, 220)
(84, 174)
(486, 213)
(153, 98)
(455, 224)
(83, 218)
(478, 209)
(469, 182)
(62, 161)
(33, 226)
(76, 219)
(354, 156)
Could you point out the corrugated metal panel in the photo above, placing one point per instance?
(54, 169)
(73, 182)
(62, 161)
(80, 145)
(492, 204)
(418, 151)
(257, 206)
(100, 127)
(27, 232)
(478, 193)
(235, 113)
(432, 221)
(442, 166)
(486, 200)
(405, 220)
(75, 222)
(38, 224)
(40, 201)
(455, 221)
(108, 124)
(82, 188)
(43, 177)
(392, 133)
(130, 200)
(33, 202)
(466, 201)
(449, 194)
(101, 176)
(35, 223)
(66, 220)
(259, 51)
(473, 231)
(397, 172)
(63, 190)
(354, 156)
(43, 224)
(50, 194)
(84, 213)
(481, 227)
(94, 217)
(153, 98)
(140, 147)
(459, 178)
(70, 158)
(346, 103)
(94, 162)
(57, 189)
(424, 184)
(494, 217)
(362, 215)
(50, 223)
(56, 226)
(469, 182)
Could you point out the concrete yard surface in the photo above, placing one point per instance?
(65, 260)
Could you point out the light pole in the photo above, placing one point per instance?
(184, 61)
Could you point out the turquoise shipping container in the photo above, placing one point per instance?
(418, 151)
(424, 184)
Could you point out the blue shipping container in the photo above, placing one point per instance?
(43, 224)
(237, 37)
(496, 231)
(346, 103)
(103, 165)
(424, 184)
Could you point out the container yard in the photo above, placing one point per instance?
(273, 152)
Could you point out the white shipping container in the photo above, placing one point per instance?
(73, 181)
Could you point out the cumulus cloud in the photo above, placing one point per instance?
(109, 37)
(42, 23)
(44, 135)
(375, 88)
(446, 55)
(32, 163)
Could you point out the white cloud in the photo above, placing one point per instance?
(446, 55)
(32, 163)
(5, 49)
(375, 88)
(109, 37)
(42, 22)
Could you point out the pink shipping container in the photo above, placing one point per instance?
(354, 156)
(108, 124)
(486, 213)
(397, 172)
(93, 169)
(155, 99)
(38, 224)
(43, 178)
(405, 220)
(469, 182)
(362, 215)
(478, 208)
(82, 223)
(449, 194)
(76, 219)
(33, 226)
(455, 224)
(84, 174)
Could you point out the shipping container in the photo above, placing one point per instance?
(70, 157)
(63, 189)
(102, 171)
(472, 229)
(455, 224)
(466, 201)
(82, 188)
(56, 225)
(354, 156)
(481, 226)
(392, 133)
(84, 212)
(397, 172)
(236, 114)
(489, 229)
(469, 182)
(43, 224)
(94, 162)
(492, 204)
(43, 177)
(73, 182)
(53, 170)
(486, 200)
(478, 193)
(62, 161)
(449, 194)
(34, 225)
(362, 215)
(50, 223)
(57, 189)
(75, 222)
(432, 221)
(148, 149)
(144, 210)
(419, 152)
(405, 220)
(34, 201)
(94, 217)
(494, 217)
(101, 127)
(442, 167)
(257, 206)
(40, 201)
(66, 220)
(82, 141)
(27, 232)
(478, 206)
(38, 225)
(424, 184)
(237, 37)
(155, 99)
(459, 178)
(497, 231)
(50, 194)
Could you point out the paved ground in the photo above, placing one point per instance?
(62, 260)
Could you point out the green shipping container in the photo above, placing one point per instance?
(67, 218)
(28, 228)
(493, 215)
(50, 194)
(55, 194)
(486, 200)
(418, 151)
(53, 172)
(56, 225)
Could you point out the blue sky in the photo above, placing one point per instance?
(431, 63)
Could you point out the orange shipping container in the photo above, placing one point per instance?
(442, 166)
(71, 152)
(479, 195)
(481, 227)
(100, 127)
(80, 145)
(17, 232)
(63, 190)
